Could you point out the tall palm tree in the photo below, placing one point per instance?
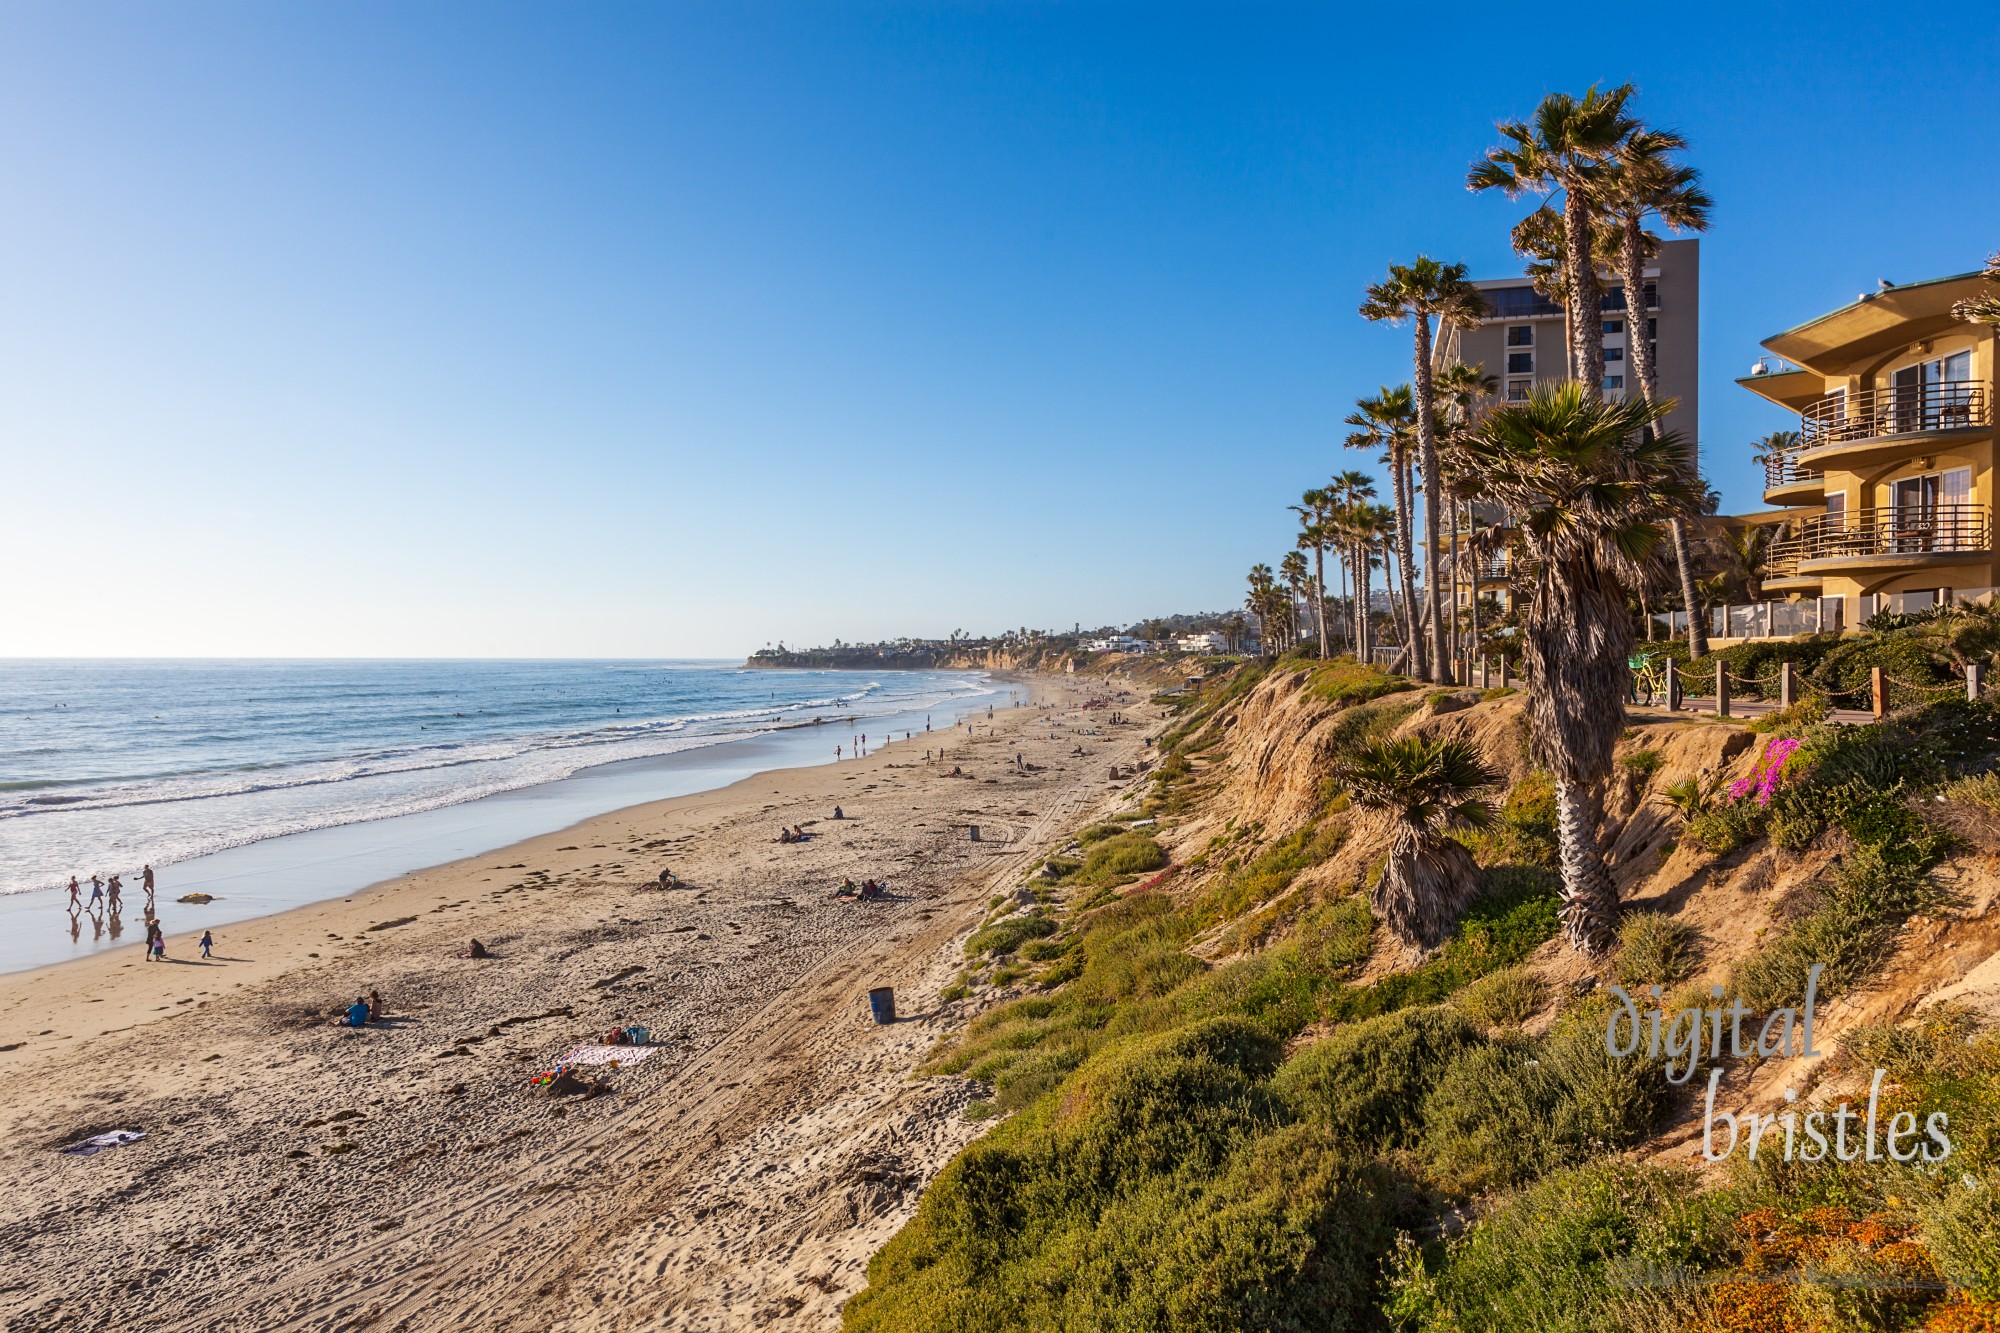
(1425, 790)
(1645, 180)
(1379, 530)
(1349, 490)
(1587, 486)
(1315, 511)
(1292, 569)
(1418, 292)
(1461, 391)
(1564, 149)
(1260, 602)
(1388, 421)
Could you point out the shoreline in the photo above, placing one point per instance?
(297, 1175)
(257, 879)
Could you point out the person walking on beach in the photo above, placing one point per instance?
(116, 894)
(96, 890)
(74, 889)
(207, 942)
(836, 754)
(146, 880)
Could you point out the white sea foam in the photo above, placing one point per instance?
(217, 783)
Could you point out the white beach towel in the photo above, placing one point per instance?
(117, 1138)
(594, 1054)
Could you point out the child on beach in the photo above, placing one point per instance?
(207, 943)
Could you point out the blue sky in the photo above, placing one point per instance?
(670, 330)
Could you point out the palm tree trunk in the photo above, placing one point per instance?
(1406, 616)
(1457, 651)
(1639, 352)
(1590, 900)
(1319, 593)
(1587, 328)
(1473, 600)
(1427, 448)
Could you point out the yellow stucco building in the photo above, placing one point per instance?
(1887, 494)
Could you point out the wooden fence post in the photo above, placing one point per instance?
(1975, 681)
(1879, 691)
(1485, 671)
(1673, 684)
(1721, 691)
(1788, 686)
(1503, 671)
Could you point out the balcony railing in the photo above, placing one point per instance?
(1900, 409)
(1888, 531)
(1782, 469)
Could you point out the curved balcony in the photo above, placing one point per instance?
(1876, 424)
(1888, 538)
(1786, 482)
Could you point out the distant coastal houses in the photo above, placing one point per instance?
(1187, 634)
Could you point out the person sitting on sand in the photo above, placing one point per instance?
(784, 834)
(798, 833)
(475, 950)
(836, 815)
(846, 889)
(375, 1006)
(357, 1013)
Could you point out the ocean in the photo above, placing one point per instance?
(109, 765)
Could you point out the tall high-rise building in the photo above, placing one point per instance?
(1522, 340)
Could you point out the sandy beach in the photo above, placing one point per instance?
(298, 1175)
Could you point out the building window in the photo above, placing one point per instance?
(1612, 326)
(1517, 391)
(1613, 382)
(1520, 363)
(1520, 335)
(1652, 329)
(1614, 354)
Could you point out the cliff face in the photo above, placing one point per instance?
(1268, 761)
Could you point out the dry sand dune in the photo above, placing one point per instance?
(299, 1176)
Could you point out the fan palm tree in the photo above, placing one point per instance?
(1645, 180)
(1260, 602)
(1418, 292)
(1315, 511)
(1388, 421)
(1461, 390)
(1587, 486)
(1349, 490)
(1984, 308)
(1424, 789)
(1292, 570)
(1564, 149)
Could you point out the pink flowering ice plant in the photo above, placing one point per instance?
(1763, 779)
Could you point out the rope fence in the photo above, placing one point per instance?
(1658, 680)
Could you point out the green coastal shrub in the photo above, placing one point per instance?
(1161, 1190)
(1562, 1256)
(1849, 927)
(1511, 1111)
(1123, 854)
(1727, 825)
(1503, 999)
(1346, 681)
(1368, 1080)
(1008, 934)
(1654, 947)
